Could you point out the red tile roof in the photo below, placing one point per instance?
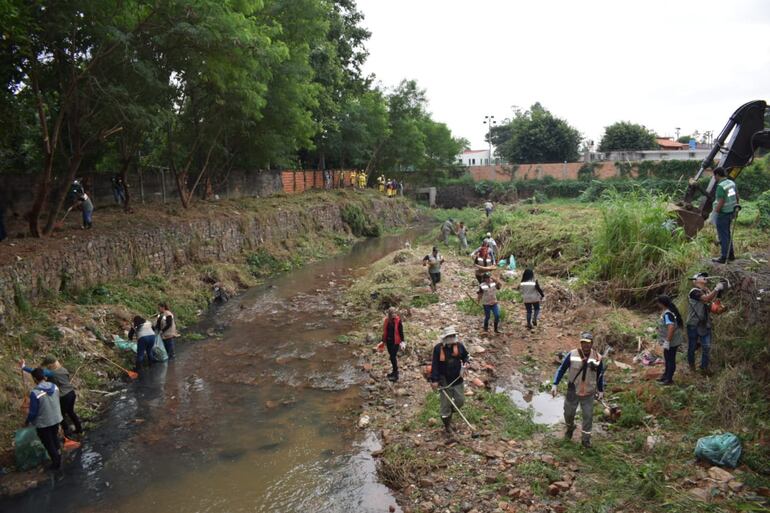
(668, 144)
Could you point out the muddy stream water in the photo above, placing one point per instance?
(256, 418)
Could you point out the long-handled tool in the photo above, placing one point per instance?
(60, 224)
(131, 374)
(474, 434)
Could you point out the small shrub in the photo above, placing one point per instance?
(763, 205)
(424, 300)
(359, 222)
(20, 299)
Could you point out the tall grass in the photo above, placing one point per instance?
(635, 253)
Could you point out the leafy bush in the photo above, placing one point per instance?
(763, 205)
(755, 179)
(359, 222)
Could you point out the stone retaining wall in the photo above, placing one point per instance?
(221, 237)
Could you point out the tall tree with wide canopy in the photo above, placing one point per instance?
(627, 136)
(535, 136)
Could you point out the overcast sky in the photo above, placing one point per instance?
(664, 64)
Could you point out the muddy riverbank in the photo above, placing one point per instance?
(258, 417)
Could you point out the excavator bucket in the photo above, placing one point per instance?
(690, 218)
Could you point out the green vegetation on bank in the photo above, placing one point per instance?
(77, 323)
(627, 253)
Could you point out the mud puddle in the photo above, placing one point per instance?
(254, 419)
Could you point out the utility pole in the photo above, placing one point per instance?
(676, 131)
(489, 121)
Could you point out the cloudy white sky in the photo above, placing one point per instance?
(664, 64)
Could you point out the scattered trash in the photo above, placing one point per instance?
(124, 345)
(648, 358)
(723, 450)
(363, 421)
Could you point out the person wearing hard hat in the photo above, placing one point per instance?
(449, 357)
(585, 379)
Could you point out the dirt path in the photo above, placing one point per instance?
(515, 464)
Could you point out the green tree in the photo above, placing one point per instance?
(536, 135)
(627, 136)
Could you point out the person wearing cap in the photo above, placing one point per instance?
(585, 379)
(669, 336)
(54, 372)
(449, 356)
(487, 297)
(433, 261)
(393, 339)
(725, 207)
(446, 229)
(492, 246)
(45, 414)
(699, 321)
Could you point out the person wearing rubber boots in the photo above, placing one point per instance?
(449, 357)
(585, 371)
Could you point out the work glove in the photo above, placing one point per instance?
(22, 363)
(554, 390)
(434, 385)
(720, 287)
(600, 396)
(402, 345)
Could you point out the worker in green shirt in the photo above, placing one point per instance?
(725, 208)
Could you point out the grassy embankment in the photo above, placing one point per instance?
(77, 324)
(621, 253)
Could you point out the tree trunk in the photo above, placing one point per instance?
(181, 187)
(56, 207)
(124, 178)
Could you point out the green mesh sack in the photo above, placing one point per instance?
(723, 450)
(27, 449)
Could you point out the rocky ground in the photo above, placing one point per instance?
(510, 463)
